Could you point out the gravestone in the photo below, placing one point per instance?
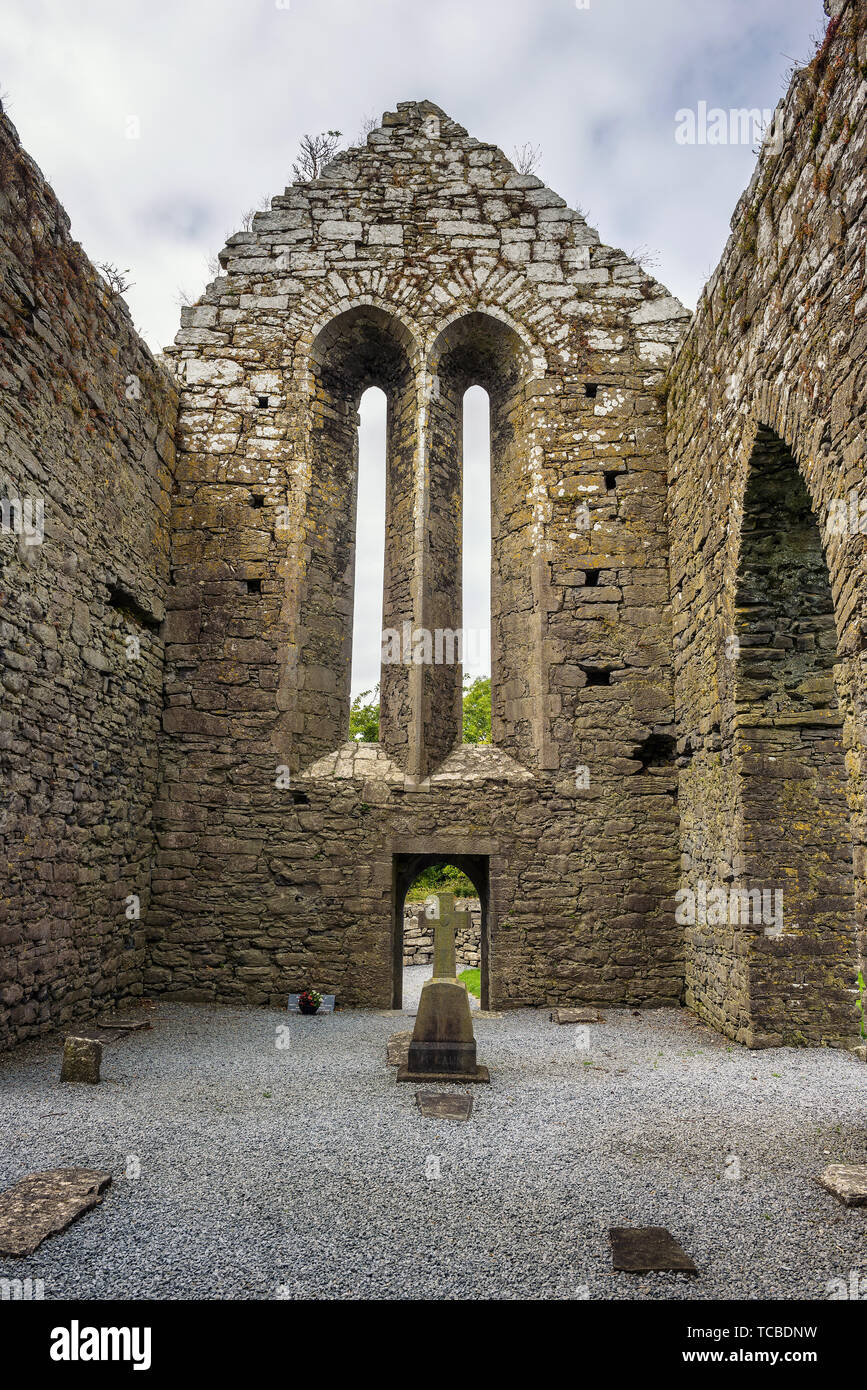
(436, 1105)
(443, 1047)
(848, 1182)
(576, 1016)
(646, 1249)
(397, 1049)
(82, 1058)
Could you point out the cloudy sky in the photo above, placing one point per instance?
(220, 92)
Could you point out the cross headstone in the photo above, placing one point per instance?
(445, 965)
(442, 1047)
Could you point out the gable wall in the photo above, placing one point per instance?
(259, 889)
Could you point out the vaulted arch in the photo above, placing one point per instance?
(360, 348)
(477, 349)
(793, 814)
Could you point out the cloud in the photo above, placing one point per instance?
(223, 90)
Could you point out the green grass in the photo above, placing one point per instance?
(440, 878)
(473, 981)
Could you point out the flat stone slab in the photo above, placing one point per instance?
(437, 1105)
(326, 1007)
(124, 1025)
(397, 1049)
(576, 1016)
(42, 1204)
(848, 1183)
(460, 1078)
(643, 1249)
(98, 1034)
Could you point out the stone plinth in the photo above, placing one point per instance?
(82, 1058)
(443, 1047)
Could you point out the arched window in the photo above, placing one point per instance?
(361, 348)
(369, 550)
(476, 539)
(478, 351)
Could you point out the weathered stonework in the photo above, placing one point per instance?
(766, 431)
(677, 629)
(422, 263)
(86, 421)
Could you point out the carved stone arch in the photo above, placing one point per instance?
(359, 347)
(525, 346)
(481, 348)
(785, 727)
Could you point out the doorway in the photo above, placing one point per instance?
(405, 871)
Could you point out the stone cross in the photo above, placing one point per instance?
(447, 919)
(442, 1047)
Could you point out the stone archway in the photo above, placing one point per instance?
(793, 823)
(360, 348)
(406, 869)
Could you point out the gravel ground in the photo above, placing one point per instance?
(290, 1171)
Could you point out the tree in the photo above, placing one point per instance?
(526, 158)
(364, 718)
(368, 125)
(477, 710)
(118, 280)
(441, 878)
(364, 713)
(316, 151)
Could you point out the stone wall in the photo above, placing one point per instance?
(766, 435)
(86, 421)
(677, 635)
(418, 934)
(422, 262)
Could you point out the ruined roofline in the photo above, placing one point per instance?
(396, 142)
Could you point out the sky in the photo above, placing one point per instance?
(160, 124)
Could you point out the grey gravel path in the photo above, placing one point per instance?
(281, 1171)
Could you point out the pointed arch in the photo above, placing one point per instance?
(362, 347)
(793, 813)
(478, 349)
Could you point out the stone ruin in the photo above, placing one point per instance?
(677, 609)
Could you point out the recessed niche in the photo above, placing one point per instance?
(597, 675)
